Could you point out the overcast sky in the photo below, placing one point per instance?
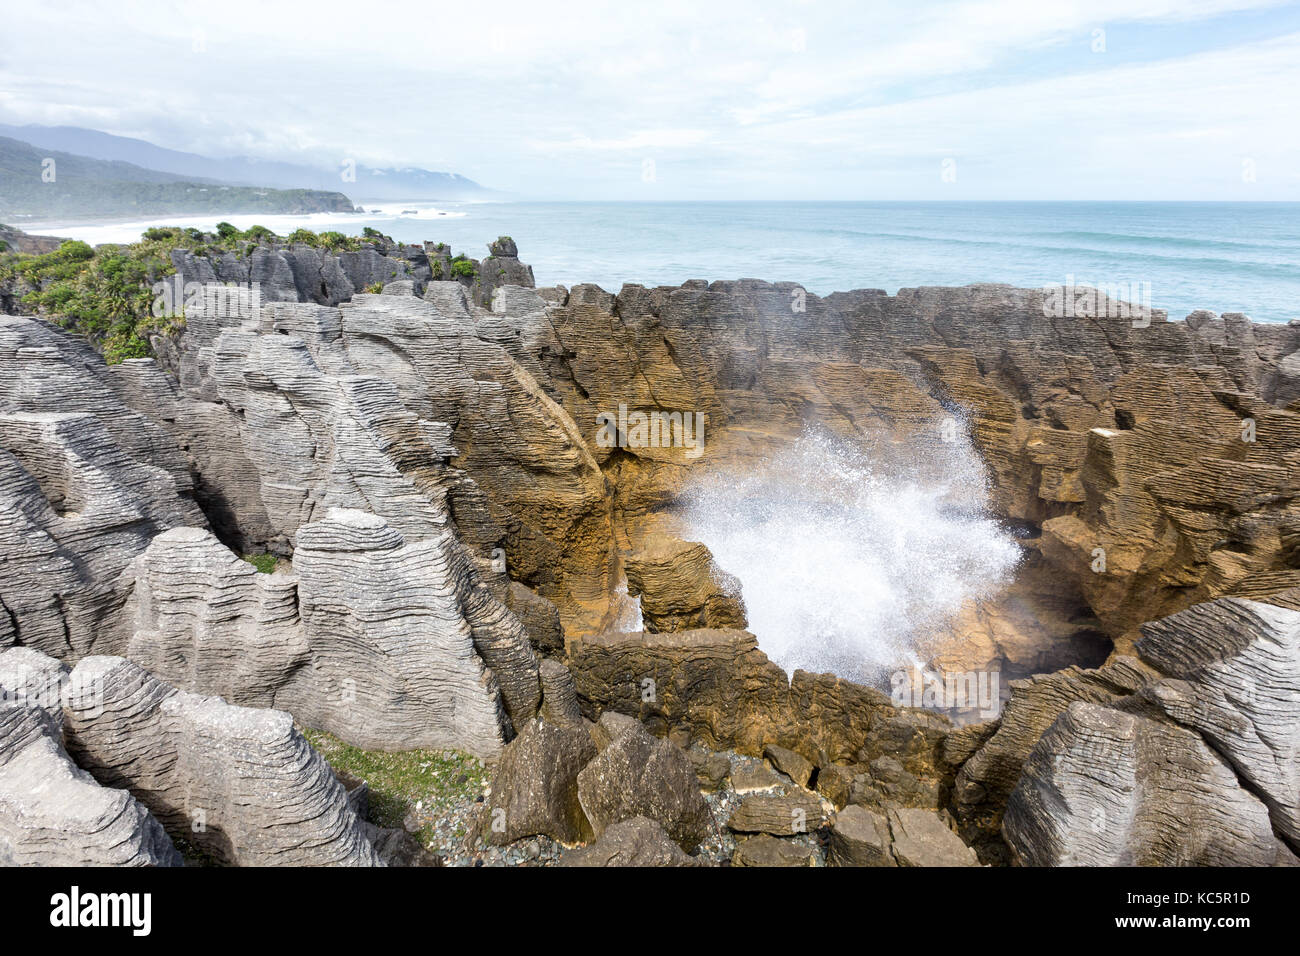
(1014, 99)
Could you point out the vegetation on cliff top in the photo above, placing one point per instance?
(48, 184)
(106, 293)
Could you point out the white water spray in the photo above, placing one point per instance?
(849, 556)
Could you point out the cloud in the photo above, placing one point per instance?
(731, 100)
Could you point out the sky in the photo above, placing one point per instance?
(964, 99)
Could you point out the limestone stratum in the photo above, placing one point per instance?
(393, 558)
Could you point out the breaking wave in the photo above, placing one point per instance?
(849, 556)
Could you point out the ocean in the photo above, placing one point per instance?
(1226, 257)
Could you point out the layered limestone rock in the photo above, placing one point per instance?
(1107, 788)
(681, 588)
(321, 433)
(382, 643)
(85, 484)
(1104, 430)
(1148, 465)
(1185, 758)
(716, 687)
(988, 777)
(1235, 669)
(52, 813)
(240, 784)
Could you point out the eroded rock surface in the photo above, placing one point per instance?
(53, 813)
(241, 784)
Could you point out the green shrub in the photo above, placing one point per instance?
(259, 233)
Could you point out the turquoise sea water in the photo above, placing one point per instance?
(1226, 257)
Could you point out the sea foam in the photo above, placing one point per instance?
(849, 556)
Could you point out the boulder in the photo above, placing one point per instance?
(796, 767)
(778, 814)
(835, 783)
(637, 841)
(860, 837)
(711, 769)
(535, 789)
(922, 838)
(764, 850)
(637, 774)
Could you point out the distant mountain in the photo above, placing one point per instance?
(44, 183)
(370, 183)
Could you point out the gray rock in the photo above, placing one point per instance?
(921, 838)
(611, 726)
(1237, 670)
(382, 643)
(535, 790)
(638, 841)
(778, 814)
(764, 850)
(860, 837)
(240, 784)
(1107, 788)
(52, 813)
(637, 774)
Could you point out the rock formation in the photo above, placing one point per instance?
(471, 558)
(53, 813)
(239, 783)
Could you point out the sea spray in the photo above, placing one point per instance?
(850, 554)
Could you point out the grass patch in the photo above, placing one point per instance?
(265, 563)
(440, 779)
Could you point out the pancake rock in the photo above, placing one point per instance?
(1185, 758)
(1235, 669)
(52, 813)
(241, 784)
(1107, 788)
(681, 587)
(717, 688)
(382, 643)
